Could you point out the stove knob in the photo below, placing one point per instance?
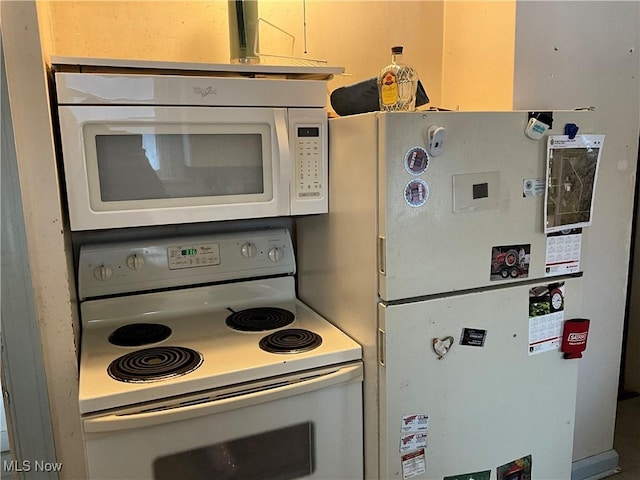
(275, 254)
(102, 272)
(249, 250)
(135, 262)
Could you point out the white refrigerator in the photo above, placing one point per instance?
(434, 257)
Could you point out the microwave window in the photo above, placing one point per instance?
(153, 166)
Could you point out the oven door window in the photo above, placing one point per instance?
(281, 454)
(138, 166)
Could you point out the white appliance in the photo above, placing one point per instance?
(153, 143)
(430, 256)
(197, 361)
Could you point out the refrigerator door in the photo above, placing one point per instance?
(488, 405)
(444, 218)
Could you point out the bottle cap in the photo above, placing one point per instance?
(396, 50)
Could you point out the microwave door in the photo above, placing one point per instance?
(132, 166)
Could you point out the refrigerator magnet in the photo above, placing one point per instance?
(442, 346)
(563, 252)
(416, 161)
(510, 261)
(415, 422)
(473, 337)
(484, 475)
(416, 193)
(412, 441)
(519, 469)
(413, 464)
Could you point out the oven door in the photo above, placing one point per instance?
(139, 165)
(307, 425)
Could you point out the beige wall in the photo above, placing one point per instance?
(467, 46)
(353, 34)
(193, 31)
(478, 55)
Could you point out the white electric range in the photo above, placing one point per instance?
(198, 361)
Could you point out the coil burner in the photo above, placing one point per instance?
(138, 334)
(260, 319)
(154, 364)
(292, 340)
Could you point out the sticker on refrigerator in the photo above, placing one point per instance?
(473, 337)
(413, 441)
(484, 475)
(413, 464)
(519, 469)
(546, 316)
(563, 252)
(417, 422)
(416, 161)
(510, 262)
(416, 193)
(533, 187)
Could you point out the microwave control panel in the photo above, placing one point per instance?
(309, 161)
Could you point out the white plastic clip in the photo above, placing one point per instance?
(535, 129)
(435, 140)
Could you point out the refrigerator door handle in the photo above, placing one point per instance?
(382, 339)
(381, 256)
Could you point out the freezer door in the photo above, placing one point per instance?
(448, 221)
(487, 405)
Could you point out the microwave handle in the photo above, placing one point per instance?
(282, 171)
(115, 422)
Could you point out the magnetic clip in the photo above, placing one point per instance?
(538, 124)
(571, 129)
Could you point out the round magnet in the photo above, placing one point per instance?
(416, 161)
(416, 193)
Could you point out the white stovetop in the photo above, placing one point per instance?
(197, 318)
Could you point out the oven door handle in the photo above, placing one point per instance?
(267, 393)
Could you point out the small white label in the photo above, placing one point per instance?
(533, 187)
(413, 464)
(417, 422)
(413, 441)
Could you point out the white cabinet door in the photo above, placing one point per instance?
(487, 405)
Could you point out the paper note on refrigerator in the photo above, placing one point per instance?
(563, 252)
(572, 171)
(413, 464)
(546, 316)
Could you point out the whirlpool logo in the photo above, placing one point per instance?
(205, 91)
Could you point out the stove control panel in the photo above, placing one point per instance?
(193, 256)
(127, 267)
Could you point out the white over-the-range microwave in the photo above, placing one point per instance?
(146, 148)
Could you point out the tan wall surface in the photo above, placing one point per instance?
(357, 35)
(478, 61)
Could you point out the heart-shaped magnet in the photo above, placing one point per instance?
(442, 346)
